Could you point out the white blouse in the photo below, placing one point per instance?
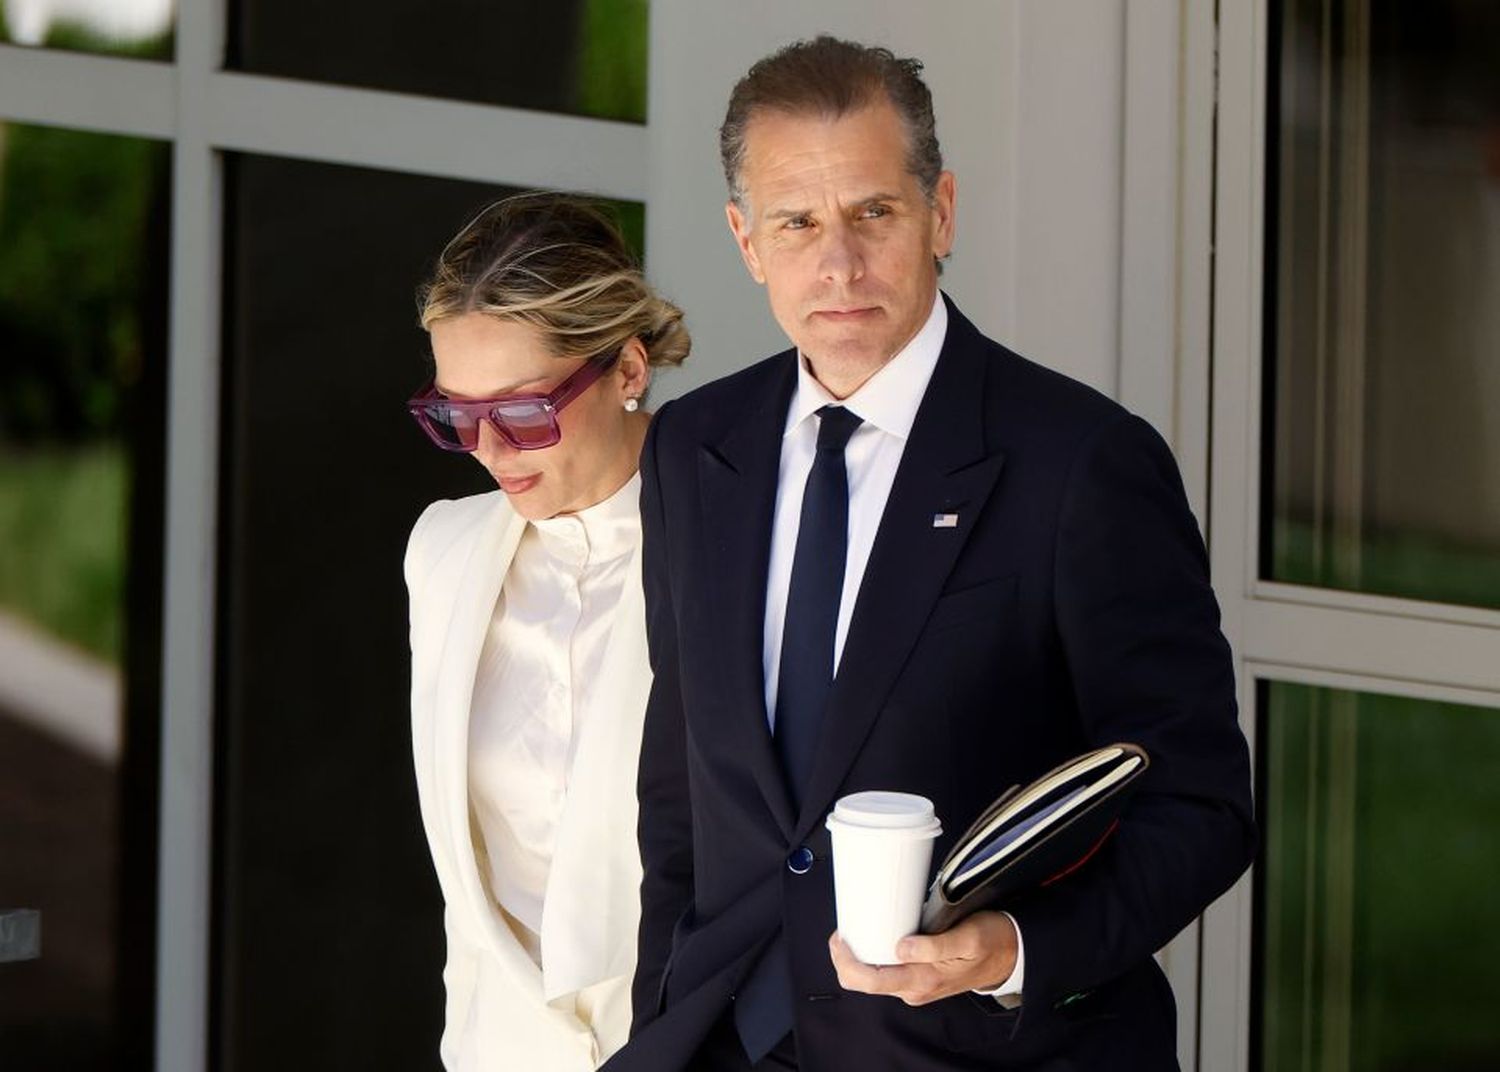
(536, 691)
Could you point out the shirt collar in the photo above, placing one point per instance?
(596, 533)
(889, 399)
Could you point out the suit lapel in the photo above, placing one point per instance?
(738, 477)
(945, 469)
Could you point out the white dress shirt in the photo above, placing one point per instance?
(536, 690)
(887, 404)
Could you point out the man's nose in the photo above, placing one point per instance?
(842, 258)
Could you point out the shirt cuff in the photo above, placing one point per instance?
(1008, 993)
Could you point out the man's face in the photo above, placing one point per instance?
(841, 235)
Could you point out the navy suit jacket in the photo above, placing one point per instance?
(1069, 608)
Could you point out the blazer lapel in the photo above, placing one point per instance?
(738, 477)
(474, 597)
(945, 469)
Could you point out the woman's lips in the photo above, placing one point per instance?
(515, 485)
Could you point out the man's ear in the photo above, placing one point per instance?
(739, 226)
(944, 202)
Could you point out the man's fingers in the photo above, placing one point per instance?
(915, 984)
(960, 943)
(930, 948)
(855, 974)
(976, 954)
(978, 937)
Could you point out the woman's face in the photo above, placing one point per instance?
(481, 356)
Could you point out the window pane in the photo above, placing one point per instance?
(328, 911)
(1383, 383)
(83, 241)
(140, 28)
(1377, 907)
(580, 57)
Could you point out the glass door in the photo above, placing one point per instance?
(213, 216)
(82, 334)
(1356, 529)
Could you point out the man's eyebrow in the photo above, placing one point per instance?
(857, 203)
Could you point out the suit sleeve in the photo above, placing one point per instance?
(1147, 663)
(665, 825)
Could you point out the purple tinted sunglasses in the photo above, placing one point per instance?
(525, 421)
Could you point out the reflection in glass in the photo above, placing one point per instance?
(82, 329)
(1377, 904)
(1383, 335)
(579, 57)
(139, 28)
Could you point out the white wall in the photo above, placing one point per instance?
(1029, 100)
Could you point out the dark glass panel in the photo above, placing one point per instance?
(83, 277)
(580, 57)
(1383, 388)
(1376, 893)
(328, 915)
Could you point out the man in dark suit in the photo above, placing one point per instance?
(901, 557)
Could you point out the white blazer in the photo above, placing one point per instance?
(503, 1012)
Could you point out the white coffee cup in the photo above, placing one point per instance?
(882, 848)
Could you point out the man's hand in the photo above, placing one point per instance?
(977, 954)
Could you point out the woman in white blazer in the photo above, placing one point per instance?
(529, 666)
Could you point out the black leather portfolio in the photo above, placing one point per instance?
(1034, 835)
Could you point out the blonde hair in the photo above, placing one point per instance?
(559, 264)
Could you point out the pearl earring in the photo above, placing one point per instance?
(632, 404)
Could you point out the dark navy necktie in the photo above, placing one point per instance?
(763, 1005)
(812, 601)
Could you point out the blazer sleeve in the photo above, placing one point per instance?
(417, 562)
(665, 825)
(1147, 662)
(460, 968)
(460, 976)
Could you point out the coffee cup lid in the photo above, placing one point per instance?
(885, 810)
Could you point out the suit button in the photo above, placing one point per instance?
(801, 861)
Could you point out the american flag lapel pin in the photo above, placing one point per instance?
(945, 521)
